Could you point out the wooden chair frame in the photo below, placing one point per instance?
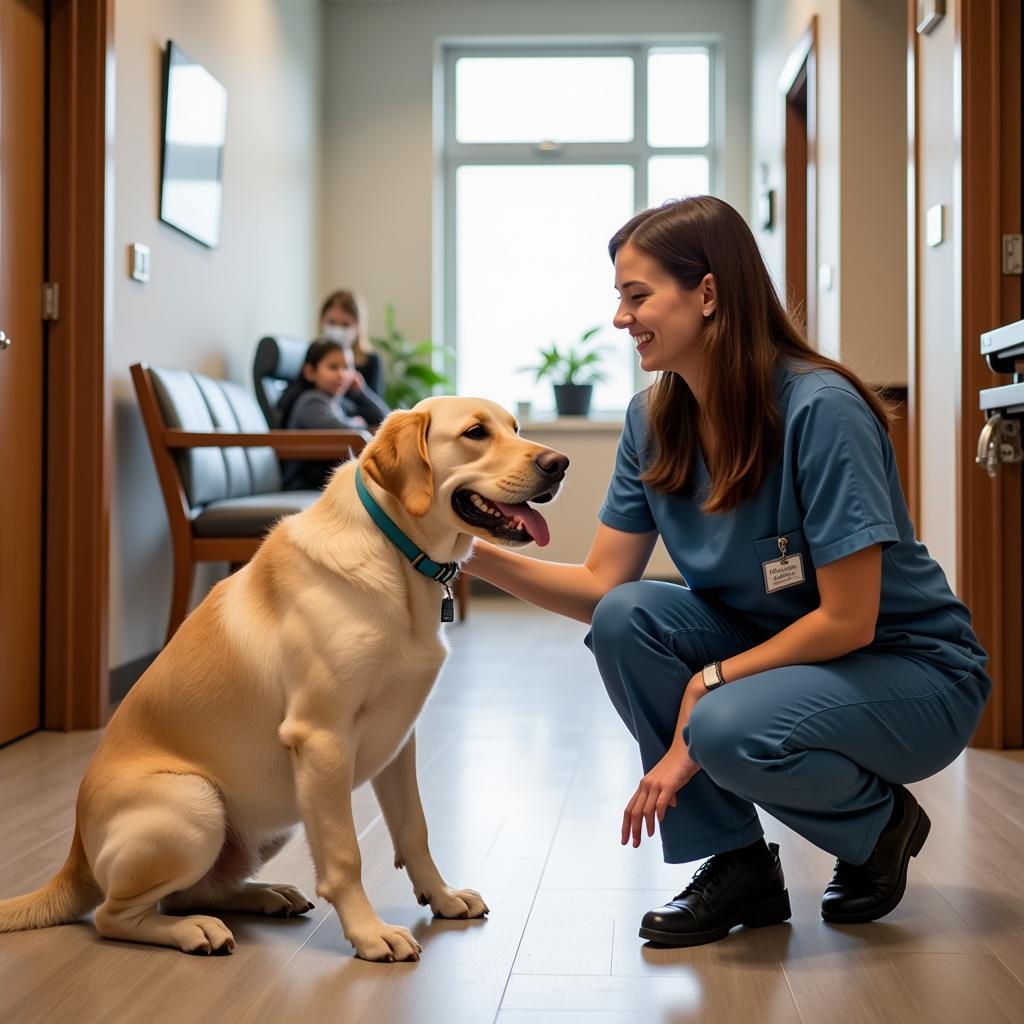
(164, 441)
(189, 549)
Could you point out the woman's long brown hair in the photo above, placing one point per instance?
(747, 335)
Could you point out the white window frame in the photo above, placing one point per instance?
(455, 154)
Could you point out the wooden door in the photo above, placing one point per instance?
(796, 200)
(974, 57)
(22, 182)
(991, 521)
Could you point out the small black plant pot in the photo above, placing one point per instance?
(573, 399)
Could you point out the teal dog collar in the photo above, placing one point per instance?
(443, 572)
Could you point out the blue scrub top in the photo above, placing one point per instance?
(834, 490)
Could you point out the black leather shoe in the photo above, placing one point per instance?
(868, 891)
(725, 891)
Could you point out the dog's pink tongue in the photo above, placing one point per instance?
(531, 519)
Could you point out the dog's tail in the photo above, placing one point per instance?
(73, 891)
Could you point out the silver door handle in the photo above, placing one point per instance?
(5, 342)
(988, 452)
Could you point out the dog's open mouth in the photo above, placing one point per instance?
(521, 522)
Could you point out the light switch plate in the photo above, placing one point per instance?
(138, 261)
(935, 225)
(826, 277)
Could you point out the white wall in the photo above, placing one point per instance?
(939, 307)
(205, 309)
(861, 169)
(873, 188)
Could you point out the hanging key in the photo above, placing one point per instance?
(447, 605)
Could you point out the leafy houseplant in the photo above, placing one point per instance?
(573, 372)
(408, 373)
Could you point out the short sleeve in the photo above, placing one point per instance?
(625, 505)
(842, 457)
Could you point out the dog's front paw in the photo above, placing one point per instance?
(455, 903)
(385, 943)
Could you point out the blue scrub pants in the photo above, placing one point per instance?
(817, 746)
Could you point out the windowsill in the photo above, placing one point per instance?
(601, 422)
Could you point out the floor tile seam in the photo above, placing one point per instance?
(923, 871)
(547, 859)
(69, 831)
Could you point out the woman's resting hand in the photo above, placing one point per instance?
(657, 792)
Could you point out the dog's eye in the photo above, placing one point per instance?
(476, 433)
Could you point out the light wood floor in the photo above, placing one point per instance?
(525, 770)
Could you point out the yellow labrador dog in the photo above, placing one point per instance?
(296, 679)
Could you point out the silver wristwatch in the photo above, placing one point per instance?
(712, 675)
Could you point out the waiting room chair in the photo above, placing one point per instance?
(218, 466)
(278, 361)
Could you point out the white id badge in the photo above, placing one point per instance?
(783, 572)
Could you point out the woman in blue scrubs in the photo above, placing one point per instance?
(816, 660)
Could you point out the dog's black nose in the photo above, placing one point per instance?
(552, 463)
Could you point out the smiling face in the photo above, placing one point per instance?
(462, 459)
(663, 318)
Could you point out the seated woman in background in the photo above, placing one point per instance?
(343, 319)
(329, 394)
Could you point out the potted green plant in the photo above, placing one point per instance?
(409, 375)
(573, 372)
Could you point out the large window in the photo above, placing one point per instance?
(547, 153)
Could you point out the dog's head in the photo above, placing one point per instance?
(463, 458)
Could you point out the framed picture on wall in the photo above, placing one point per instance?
(192, 163)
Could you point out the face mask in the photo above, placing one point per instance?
(344, 336)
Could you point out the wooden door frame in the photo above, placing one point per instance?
(986, 204)
(913, 483)
(78, 401)
(988, 41)
(801, 70)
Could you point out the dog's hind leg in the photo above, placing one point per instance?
(273, 899)
(165, 839)
(225, 886)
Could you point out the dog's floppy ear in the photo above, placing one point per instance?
(398, 461)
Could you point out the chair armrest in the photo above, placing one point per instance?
(289, 444)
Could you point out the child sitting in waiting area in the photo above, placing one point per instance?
(329, 394)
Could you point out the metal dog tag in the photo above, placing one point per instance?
(447, 605)
(786, 571)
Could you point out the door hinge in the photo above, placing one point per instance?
(51, 300)
(1013, 254)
